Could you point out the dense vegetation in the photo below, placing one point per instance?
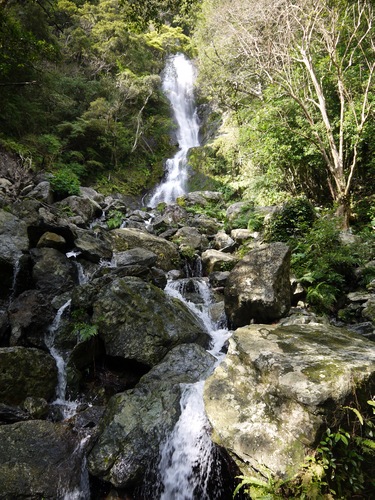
(80, 86)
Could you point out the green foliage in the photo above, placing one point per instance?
(65, 183)
(341, 466)
(85, 331)
(294, 220)
(323, 264)
(115, 219)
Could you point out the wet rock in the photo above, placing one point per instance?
(11, 414)
(139, 321)
(278, 385)
(30, 314)
(137, 421)
(53, 273)
(37, 408)
(128, 238)
(93, 246)
(26, 372)
(258, 288)
(39, 459)
(13, 243)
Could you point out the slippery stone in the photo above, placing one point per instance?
(278, 385)
(26, 372)
(39, 459)
(137, 421)
(258, 288)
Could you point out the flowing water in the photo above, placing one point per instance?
(187, 458)
(178, 82)
(67, 408)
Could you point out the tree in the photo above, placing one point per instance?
(319, 53)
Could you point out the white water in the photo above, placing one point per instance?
(187, 458)
(68, 408)
(178, 85)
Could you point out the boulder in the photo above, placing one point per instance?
(278, 386)
(42, 192)
(214, 260)
(138, 421)
(135, 256)
(39, 459)
(52, 240)
(258, 288)
(26, 372)
(223, 241)
(242, 235)
(13, 243)
(139, 321)
(205, 224)
(53, 273)
(93, 246)
(190, 241)
(29, 315)
(201, 198)
(86, 208)
(128, 238)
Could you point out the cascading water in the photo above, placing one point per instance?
(187, 458)
(68, 408)
(178, 86)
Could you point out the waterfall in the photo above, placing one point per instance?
(177, 85)
(187, 458)
(68, 408)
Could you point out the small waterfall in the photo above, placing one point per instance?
(81, 492)
(178, 86)
(187, 458)
(68, 408)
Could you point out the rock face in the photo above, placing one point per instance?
(139, 321)
(137, 421)
(128, 238)
(278, 385)
(38, 459)
(26, 372)
(258, 287)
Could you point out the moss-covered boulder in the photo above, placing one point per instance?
(127, 238)
(258, 288)
(139, 321)
(137, 421)
(26, 372)
(39, 459)
(278, 386)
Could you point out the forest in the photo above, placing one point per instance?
(285, 98)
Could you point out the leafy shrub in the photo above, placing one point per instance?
(115, 219)
(294, 220)
(324, 265)
(65, 183)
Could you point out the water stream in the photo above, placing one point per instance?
(187, 458)
(178, 82)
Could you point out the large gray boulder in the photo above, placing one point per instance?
(29, 315)
(278, 386)
(139, 321)
(39, 459)
(53, 273)
(128, 238)
(13, 243)
(215, 260)
(93, 246)
(202, 198)
(26, 372)
(83, 207)
(258, 288)
(138, 421)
